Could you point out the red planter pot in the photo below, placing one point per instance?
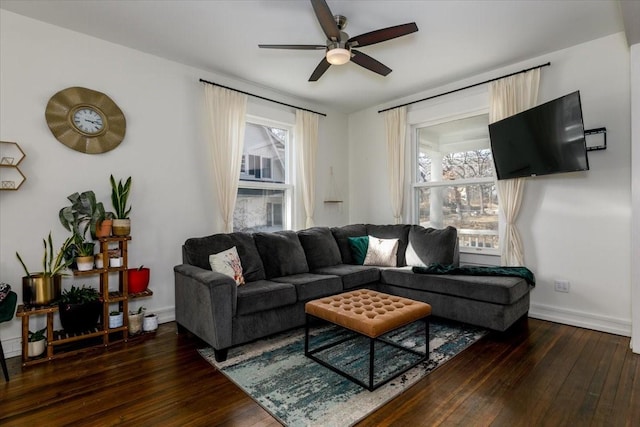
(138, 280)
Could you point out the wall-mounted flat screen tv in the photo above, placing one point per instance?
(546, 139)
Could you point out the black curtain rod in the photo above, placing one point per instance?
(262, 97)
(466, 87)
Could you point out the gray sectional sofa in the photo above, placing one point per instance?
(285, 269)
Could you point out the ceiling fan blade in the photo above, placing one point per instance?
(369, 63)
(320, 69)
(382, 35)
(326, 19)
(294, 46)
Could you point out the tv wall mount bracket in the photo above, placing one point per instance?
(592, 135)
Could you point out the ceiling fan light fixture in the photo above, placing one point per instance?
(338, 56)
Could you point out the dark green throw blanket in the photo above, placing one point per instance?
(522, 272)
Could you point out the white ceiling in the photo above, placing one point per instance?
(456, 39)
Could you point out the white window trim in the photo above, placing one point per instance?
(289, 209)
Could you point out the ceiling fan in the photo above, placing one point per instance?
(339, 47)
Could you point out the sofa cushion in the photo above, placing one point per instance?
(429, 245)
(281, 253)
(228, 263)
(353, 276)
(342, 234)
(264, 295)
(393, 231)
(196, 251)
(311, 286)
(320, 247)
(494, 289)
(382, 252)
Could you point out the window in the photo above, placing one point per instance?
(264, 200)
(454, 183)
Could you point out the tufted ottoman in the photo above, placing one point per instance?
(370, 314)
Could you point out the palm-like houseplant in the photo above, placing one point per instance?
(119, 198)
(42, 288)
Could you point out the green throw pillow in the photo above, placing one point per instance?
(359, 246)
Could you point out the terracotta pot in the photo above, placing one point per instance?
(38, 289)
(121, 227)
(104, 228)
(138, 280)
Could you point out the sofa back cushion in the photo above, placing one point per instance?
(342, 234)
(320, 247)
(393, 231)
(196, 251)
(430, 245)
(281, 253)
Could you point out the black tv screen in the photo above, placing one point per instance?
(543, 140)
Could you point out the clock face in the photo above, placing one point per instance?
(88, 120)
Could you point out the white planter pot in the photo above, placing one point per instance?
(150, 323)
(99, 261)
(115, 262)
(115, 321)
(85, 263)
(36, 348)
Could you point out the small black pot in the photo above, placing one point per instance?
(80, 317)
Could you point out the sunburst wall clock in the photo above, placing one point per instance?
(85, 120)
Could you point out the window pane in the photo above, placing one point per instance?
(458, 149)
(259, 210)
(472, 209)
(264, 153)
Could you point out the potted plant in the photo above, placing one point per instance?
(79, 308)
(84, 253)
(85, 213)
(104, 225)
(43, 287)
(116, 319)
(135, 321)
(115, 258)
(138, 279)
(150, 322)
(36, 342)
(119, 198)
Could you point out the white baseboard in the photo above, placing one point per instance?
(13, 346)
(613, 325)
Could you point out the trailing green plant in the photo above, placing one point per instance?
(120, 196)
(37, 335)
(51, 265)
(85, 213)
(77, 295)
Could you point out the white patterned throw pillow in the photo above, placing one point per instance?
(228, 263)
(381, 252)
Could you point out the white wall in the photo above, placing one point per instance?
(164, 150)
(575, 226)
(635, 195)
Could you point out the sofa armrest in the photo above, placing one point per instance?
(205, 303)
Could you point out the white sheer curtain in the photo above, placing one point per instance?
(306, 136)
(507, 97)
(396, 124)
(226, 118)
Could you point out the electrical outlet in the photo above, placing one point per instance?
(562, 285)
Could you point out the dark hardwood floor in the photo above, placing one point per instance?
(538, 373)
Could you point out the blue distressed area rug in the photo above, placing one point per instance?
(300, 392)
